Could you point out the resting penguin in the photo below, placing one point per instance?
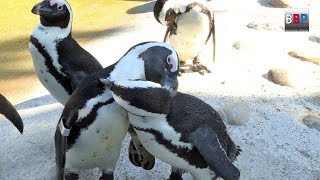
(182, 131)
(7, 109)
(190, 26)
(59, 61)
(92, 125)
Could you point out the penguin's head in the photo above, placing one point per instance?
(53, 13)
(150, 61)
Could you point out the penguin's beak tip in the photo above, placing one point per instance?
(35, 9)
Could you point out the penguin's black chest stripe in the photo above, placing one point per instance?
(192, 156)
(85, 122)
(64, 81)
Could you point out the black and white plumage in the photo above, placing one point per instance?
(59, 61)
(96, 124)
(182, 131)
(8, 110)
(190, 26)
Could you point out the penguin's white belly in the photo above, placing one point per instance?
(99, 145)
(149, 142)
(193, 29)
(47, 80)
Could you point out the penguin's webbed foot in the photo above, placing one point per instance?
(71, 176)
(198, 67)
(108, 176)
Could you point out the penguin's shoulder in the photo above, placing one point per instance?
(88, 88)
(189, 112)
(72, 55)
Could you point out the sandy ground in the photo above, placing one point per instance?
(275, 142)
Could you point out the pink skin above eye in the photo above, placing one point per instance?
(53, 2)
(172, 62)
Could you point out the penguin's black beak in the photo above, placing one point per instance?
(41, 8)
(170, 82)
(8, 110)
(44, 9)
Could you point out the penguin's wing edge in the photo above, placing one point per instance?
(213, 32)
(61, 141)
(8, 110)
(207, 143)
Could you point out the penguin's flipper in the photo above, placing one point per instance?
(213, 32)
(61, 141)
(166, 35)
(8, 110)
(207, 143)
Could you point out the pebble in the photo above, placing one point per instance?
(312, 121)
(309, 55)
(264, 26)
(291, 77)
(235, 113)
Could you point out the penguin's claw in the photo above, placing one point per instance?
(198, 67)
(195, 67)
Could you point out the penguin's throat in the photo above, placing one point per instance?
(63, 23)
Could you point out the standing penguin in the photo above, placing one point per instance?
(59, 61)
(190, 25)
(92, 126)
(182, 131)
(7, 109)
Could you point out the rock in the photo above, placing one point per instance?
(315, 38)
(235, 113)
(310, 55)
(312, 121)
(291, 77)
(280, 3)
(291, 3)
(264, 26)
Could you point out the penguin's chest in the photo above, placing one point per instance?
(99, 144)
(193, 29)
(48, 80)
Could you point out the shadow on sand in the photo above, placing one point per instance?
(145, 8)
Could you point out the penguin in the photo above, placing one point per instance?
(92, 125)
(7, 109)
(190, 26)
(59, 61)
(180, 130)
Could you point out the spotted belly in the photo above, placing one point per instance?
(46, 79)
(193, 29)
(99, 145)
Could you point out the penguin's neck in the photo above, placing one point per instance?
(49, 37)
(52, 34)
(129, 67)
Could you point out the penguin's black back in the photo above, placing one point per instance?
(189, 113)
(74, 57)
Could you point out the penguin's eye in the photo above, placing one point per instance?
(59, 7)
